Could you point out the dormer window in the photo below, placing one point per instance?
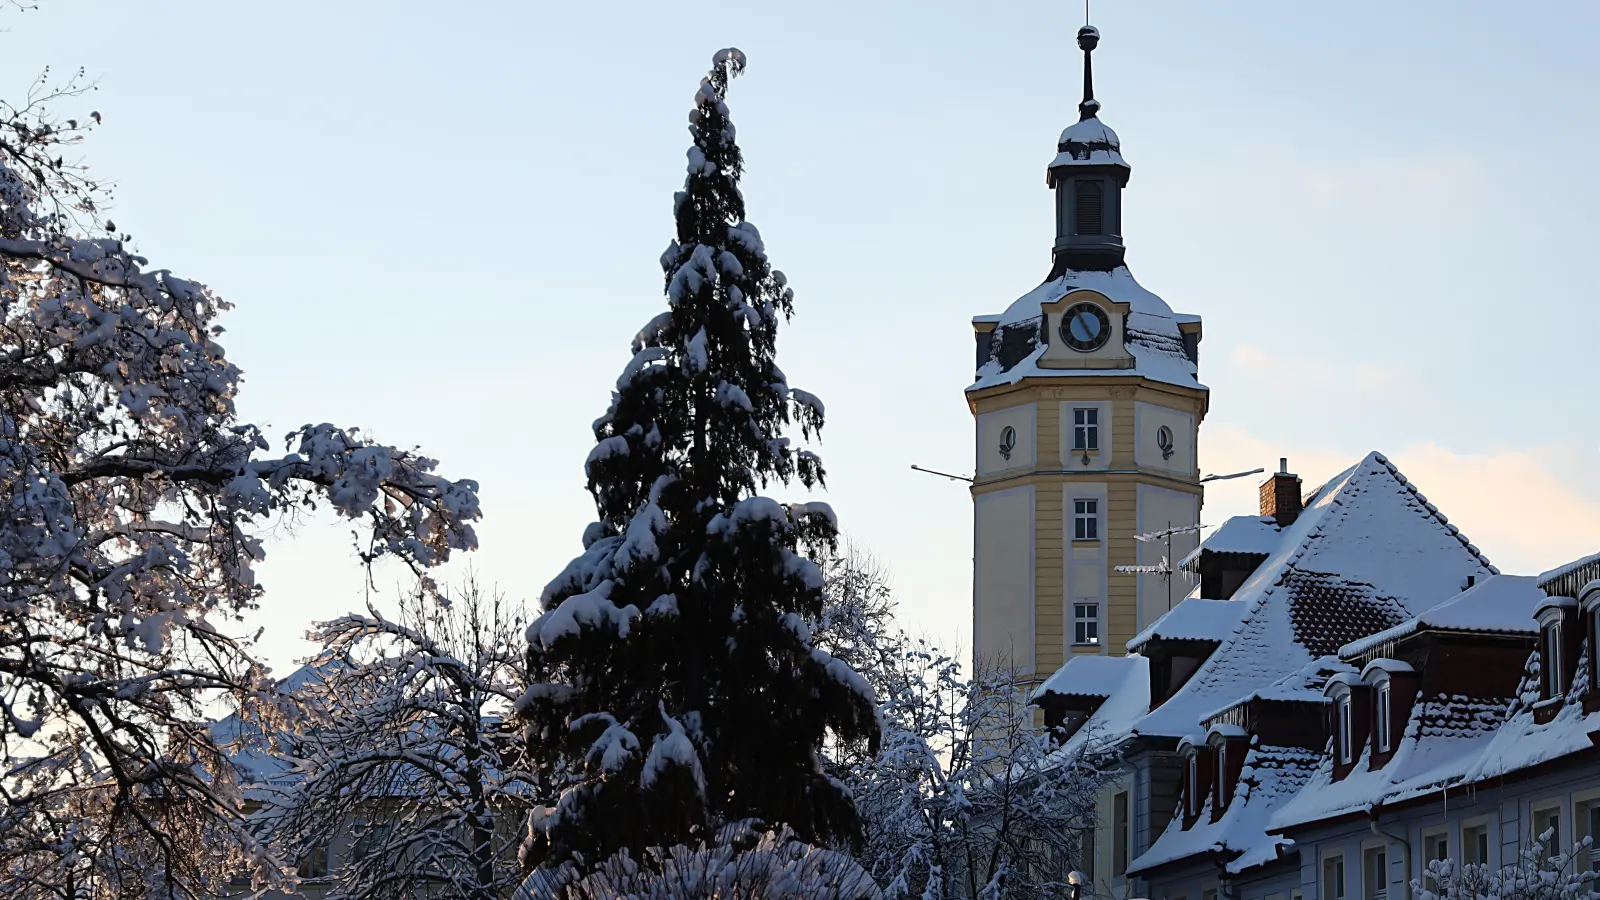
(1221, 778)
(1550, 660)
(1342, 736)
(1380, 728)
(1194, 784)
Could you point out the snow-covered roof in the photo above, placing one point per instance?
(1240, 534)
(1499, 604)
(1089, 676)
(1367, 553)
(1151, 335)
(1270, 776)
(1443, 737)
(1194, 619)
(1125, 702)
(1089, 142)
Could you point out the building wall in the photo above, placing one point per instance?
(1003, 626)
(1507, 810)
(1024, 604)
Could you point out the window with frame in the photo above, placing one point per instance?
(1548, 821)
(1333, 878)
(1594, 650)
(1435, 847)
(1086, 854)
(1550, 659)
(1194, 783)
(1086, 622)
(1086, 520)
(1221, 776)
(1586, 824)
(1343, 736)
(1086, 429)
(1380, 725)
(1475, 844)
(1375, 873)
(314, 864)
(1119, 834)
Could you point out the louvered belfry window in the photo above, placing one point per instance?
(1089, 208)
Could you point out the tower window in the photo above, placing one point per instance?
(1089, 219)
(1086, 520)
(1086, 429)
(1086, 622)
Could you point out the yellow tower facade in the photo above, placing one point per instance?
(1087, 407)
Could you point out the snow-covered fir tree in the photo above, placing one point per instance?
(131, 498)
(677, 686)
(403, 746)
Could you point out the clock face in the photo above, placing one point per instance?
(1085, 327)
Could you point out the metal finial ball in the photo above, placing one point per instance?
(1088, 38)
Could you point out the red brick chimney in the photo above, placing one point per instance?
(1280, 495)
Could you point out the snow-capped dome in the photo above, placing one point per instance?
(1089, 132)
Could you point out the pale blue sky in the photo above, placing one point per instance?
(441, 222)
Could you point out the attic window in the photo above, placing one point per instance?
(1550, 660)
(1193, 798)
(1342, 710)
(1380, 728)
(1088, 219)
(1222, 775)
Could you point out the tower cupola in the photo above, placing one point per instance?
(1088, 175)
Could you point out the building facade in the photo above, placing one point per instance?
(1087, 408)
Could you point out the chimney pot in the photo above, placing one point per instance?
(1280, 495)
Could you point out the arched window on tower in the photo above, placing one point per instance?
(1089, 218)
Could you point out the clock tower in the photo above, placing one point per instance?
(1088, 407)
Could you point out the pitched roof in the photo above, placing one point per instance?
(1124, 682)
(1367, 553)
(1270, 776)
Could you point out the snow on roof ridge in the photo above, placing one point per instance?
(1568, 568)
(1434, 613)
(1433, 511)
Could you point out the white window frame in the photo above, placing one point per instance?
(1472, 828)
(1585, 818)
(1086, 518)
(1429, 837)
(1194, 783)
(1375, 878)
(1380, 717)
(1550, 658)
(1086, 429)
(1548, 807)
(1220, 785)
(1082, 624)
(1122, 835)
(1331, 863)
(1342, 713)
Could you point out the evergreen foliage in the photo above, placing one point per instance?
(677, 688)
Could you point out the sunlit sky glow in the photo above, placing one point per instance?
(441, 222)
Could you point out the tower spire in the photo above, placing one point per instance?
(1088, 39)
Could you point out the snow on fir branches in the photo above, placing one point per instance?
(676, 685)
(131, 503)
